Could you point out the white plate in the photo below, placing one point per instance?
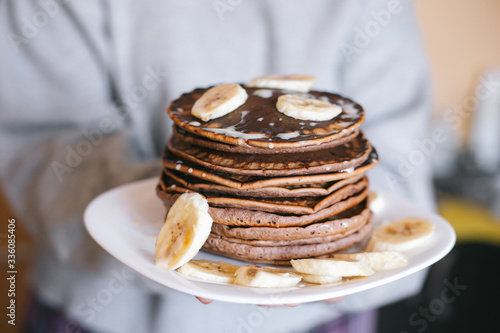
(125, 221)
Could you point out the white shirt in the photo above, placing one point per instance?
(83, 91)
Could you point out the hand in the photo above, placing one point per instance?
(208, 301)
(204, 300)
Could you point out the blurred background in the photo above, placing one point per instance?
(464, 49)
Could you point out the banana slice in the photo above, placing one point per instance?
(321, 279)
(377, 261)
(266, 277)
(401, 235)
(376, 202)
(299, 83)
(332, 267)
(219, 101)
(211, 271)
(373, 196)
(185, 231)
(304, 108)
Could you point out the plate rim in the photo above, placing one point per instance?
(262, 295)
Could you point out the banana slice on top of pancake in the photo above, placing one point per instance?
(304, 108)
(186, 229)
(299, 83)
(219, 101)
(401, 235)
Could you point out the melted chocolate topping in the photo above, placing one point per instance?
(258, 120)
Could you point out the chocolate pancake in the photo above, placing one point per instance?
(172, 162)
(203, 187)
(251, 218)
(245, 149)
(297, 205)
(305, 241)
(257, 123)
(348, 155)
(278, 188)
(350, 220)
(246, 252)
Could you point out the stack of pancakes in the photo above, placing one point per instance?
(278, 188)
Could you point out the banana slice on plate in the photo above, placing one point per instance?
(305, 108)
(185, 231)
(219, 101)
(331, 267)
(266, 277)
(377, 261)
(375, 201)
(211, 271)
(321, 279)
(299, 83)
(401, 235)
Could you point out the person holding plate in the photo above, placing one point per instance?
(84, 87)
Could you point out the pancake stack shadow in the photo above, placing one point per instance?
(278, 188)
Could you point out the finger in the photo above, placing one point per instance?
(334, 300)
(204, 300)
(292, 305)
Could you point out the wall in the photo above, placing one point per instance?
(463, 40)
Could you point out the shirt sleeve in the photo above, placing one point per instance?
(64, 137)
(385, 69)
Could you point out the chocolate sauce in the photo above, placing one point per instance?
(259, 120)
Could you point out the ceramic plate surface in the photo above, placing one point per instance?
(126, 220)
